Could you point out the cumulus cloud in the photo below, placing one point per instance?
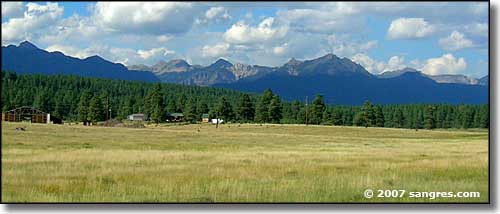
(155, 52)
(145, 17)
(280, 50)
(241, 33)
(130, 32)
(373, 66)
(319, 21)
(69, 51)
(12, 10)
(456, 41)
(126, 56)
(446, 64)
(409, 28)
(217, 50)
(342, 46)
(35, 18)
(479, 29)
(215, 15)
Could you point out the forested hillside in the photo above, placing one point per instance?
(85, 99)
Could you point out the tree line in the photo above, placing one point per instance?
(90, 100)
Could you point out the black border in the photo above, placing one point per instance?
(203, 205)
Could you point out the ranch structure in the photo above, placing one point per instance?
(29, 114)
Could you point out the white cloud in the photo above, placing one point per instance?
(163, 38)
(455, 41)
(342, 46)
(241, 33)
(323, 18)
(214, 15)
(395, 63)
(218, 50)
(446, 64)
(126, 56)
(155, 52)
(280, 50)
(409, 28)
(69, 51)
(12, 10)
(145, 17)
(479, 29)
(35, 18)
(373, 66)
(368, 63)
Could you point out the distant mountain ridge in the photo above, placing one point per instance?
(444, 78)
(340, 80)
(344, 82)
(27, 58)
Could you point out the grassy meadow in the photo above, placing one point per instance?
(237, 163)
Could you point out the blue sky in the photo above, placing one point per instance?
(435, 37)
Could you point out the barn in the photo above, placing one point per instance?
(175, 117)
(30, 114)
(136, 117)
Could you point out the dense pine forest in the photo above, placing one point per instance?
(74, 98)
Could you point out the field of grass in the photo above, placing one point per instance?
(238, 163)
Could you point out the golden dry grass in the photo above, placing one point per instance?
(237, 163)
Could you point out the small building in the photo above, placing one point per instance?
(175, 117)
(205, 118)
(29, 114)
(217, 121)
(136, 117)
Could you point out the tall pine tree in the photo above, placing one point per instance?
(275, 110)
(244, 109)
(429, 121)
(317, 109)
(262, 109)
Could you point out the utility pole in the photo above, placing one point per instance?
(307, 122)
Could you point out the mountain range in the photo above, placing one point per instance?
(27, 58)
(340, 80)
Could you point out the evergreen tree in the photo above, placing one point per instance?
(295, 109)
(429, 121)
(62, 97)
(262, 109)
(202, 108)
(418, 121)
(275, 110)
(327, 117)
(317, 109)
(172, 106)
(337, 118)
(244, 109)
(181, 101)
(398, 118)
(126, 108)
(83, 107)
(347, 117)
(95, 110)
(368, 114)
(157, 115)
(223, 110)
(42, 102)
(359, 119)
(190, 113)
(379, 117)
